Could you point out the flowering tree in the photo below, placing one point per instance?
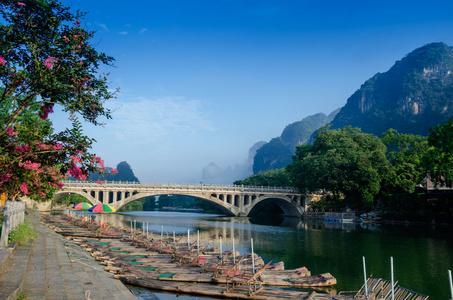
(46, 59)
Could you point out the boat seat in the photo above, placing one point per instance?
(252, 282)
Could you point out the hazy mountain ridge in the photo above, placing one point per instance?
(214, 174)
(279, 151)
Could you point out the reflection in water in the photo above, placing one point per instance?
(422, 253)
(275, 221)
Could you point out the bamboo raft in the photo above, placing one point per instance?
(141, 263)
(176, 267)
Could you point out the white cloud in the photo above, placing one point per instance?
(123, 32)
(141, 120)
(103, 26)
(143, 30)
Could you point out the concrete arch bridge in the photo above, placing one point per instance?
(233, 200)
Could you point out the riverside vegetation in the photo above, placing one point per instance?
(360, 170)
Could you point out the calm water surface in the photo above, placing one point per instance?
(422, 254)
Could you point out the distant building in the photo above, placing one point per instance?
(429, 186)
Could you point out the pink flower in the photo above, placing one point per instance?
(21, 4)
(44, 111)
(2, 61)
(23, 188)
(11, 132)
(114, 171)
(99, 182)
(76, 172)
(49, 62)
(22, 149)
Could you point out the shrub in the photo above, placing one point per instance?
(23, 233)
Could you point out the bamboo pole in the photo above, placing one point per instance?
(234, 254)
(364, 276)
(253, 257)
(188, 239)
(393, 281)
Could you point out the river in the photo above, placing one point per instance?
(422, 254)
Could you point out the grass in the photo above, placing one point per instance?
(23, 233)
(21, 295)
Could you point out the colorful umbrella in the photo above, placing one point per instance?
(102, 208)
(82, 205)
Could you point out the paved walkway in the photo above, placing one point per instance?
(54, 268)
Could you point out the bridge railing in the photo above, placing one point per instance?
(188, 186)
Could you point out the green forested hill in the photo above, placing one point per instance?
(414, 95)
(125, 173)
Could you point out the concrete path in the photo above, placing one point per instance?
(54, 268)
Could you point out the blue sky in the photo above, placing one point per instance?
(202, 81)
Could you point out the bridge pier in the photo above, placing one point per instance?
(241, 206)
(96, 196)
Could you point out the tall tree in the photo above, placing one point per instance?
(439, 158)
(346, 162)
(405, 153)
(47, 59)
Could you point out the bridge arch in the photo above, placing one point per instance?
(289, 206)
(139, 196)
(61, 194)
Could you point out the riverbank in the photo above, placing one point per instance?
(51, 267)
